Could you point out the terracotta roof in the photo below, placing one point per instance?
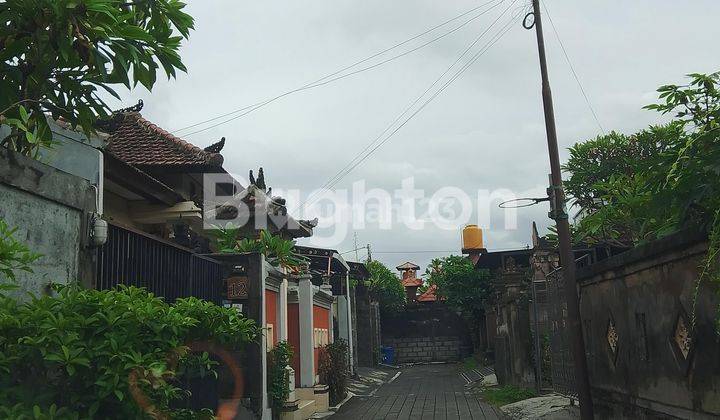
(430, 295)
(137, 141)
(410, 282)
(408, 266)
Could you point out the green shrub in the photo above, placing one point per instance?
(506, 395)
(333, 369)
(278, 383)
(279, 252)
(14, 255)
(75, 355)
(386, 287)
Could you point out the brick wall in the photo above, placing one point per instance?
(426, 349)
(429, 332)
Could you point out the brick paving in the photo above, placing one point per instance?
(421, 392)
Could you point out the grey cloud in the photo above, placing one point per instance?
(485, 131)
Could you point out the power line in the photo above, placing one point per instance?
(322, 81)
(424, 104)
(344, 171)
(572, 69)
(358, 159)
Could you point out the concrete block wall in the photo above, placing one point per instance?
(657, 366)
(426, 349)
(50, 209)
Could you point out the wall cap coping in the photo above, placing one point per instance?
(678, 240)
(44, 181)
(323, 299)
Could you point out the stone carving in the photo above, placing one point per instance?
(682, 337)
(612, 337)
(510, 265)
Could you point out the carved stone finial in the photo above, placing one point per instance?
(135, 108)
(260, 183)
(216, 147)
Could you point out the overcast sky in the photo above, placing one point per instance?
(485, 131)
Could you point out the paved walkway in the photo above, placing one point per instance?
(420, 392)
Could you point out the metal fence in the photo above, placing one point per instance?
(134, 258)
(561, 360)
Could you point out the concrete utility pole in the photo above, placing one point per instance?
(369, 254)
(559, 214)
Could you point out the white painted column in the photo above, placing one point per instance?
(351, 340)
(266, 412)
(282, 316)
(307, 354)
(331, 327)
(345, 322)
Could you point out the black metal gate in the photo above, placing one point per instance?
(134, 258)
(561, 361)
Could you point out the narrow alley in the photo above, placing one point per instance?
(421, 392)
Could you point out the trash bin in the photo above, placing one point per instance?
(388, 355)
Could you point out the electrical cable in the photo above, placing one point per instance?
(322, 81)
(572, 69)
(355, 162)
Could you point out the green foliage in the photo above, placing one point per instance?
(386, 287)
(14, 255)
(278, 385)
(710, 269)
(57, 54)
(695, 103)
(593, 164)
(506, 395)
(333, 369)
(278, 251)
(463, 288)
(76, 354)
(637, 188)
(470, 363)
(225, 238)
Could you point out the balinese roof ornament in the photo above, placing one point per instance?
(216, 147)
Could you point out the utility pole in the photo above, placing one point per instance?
(369, 253)
(559, 214)
(355, 241)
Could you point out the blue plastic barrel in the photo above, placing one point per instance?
(388, 355)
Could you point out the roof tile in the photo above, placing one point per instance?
(430, 295)
(137, 141)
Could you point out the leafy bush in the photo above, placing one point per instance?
(55, 55)
(463, 288)
(333, 369)
(278, 383)
(633, 189)
(14, 255)
(386, 287)
(277, 251)
(75, 355)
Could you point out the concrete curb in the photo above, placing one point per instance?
(337, 407)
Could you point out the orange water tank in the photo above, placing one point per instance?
(472, 238)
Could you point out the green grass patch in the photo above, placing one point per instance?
(506, 395)
(470, 363)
